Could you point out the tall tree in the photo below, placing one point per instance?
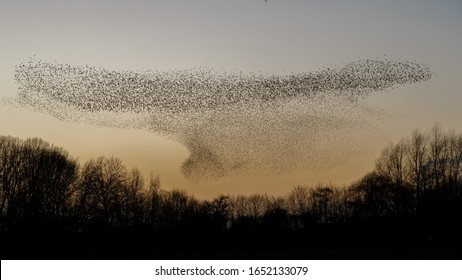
(101, 192)
(36, 181)
(417, 158)
(392, 163)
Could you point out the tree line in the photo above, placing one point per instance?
(416, 186)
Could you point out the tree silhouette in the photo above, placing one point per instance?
(412, 200)
(36, 182)
(417, 158)
(101, 192)
(392, 162)
(438, 157)
(135, 211)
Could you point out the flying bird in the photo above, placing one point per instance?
(230, 122)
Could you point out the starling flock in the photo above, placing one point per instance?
(231, 123)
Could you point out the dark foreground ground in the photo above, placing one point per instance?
(328, 242)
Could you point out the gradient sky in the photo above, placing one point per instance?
(278, 37)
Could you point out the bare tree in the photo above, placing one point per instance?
(417, 158)
(298, 200)
(101, 191)
(321, 199)
(256, 206)
(454, 157)
(238, 207)
(154, 201)
(274, 203)
(392, 162)
(10, 183)
(374, 198)
(36, 181)
(178, 210)
(135, 199)
(438, 157)
(220, 211)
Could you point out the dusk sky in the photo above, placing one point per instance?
(248, 36)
